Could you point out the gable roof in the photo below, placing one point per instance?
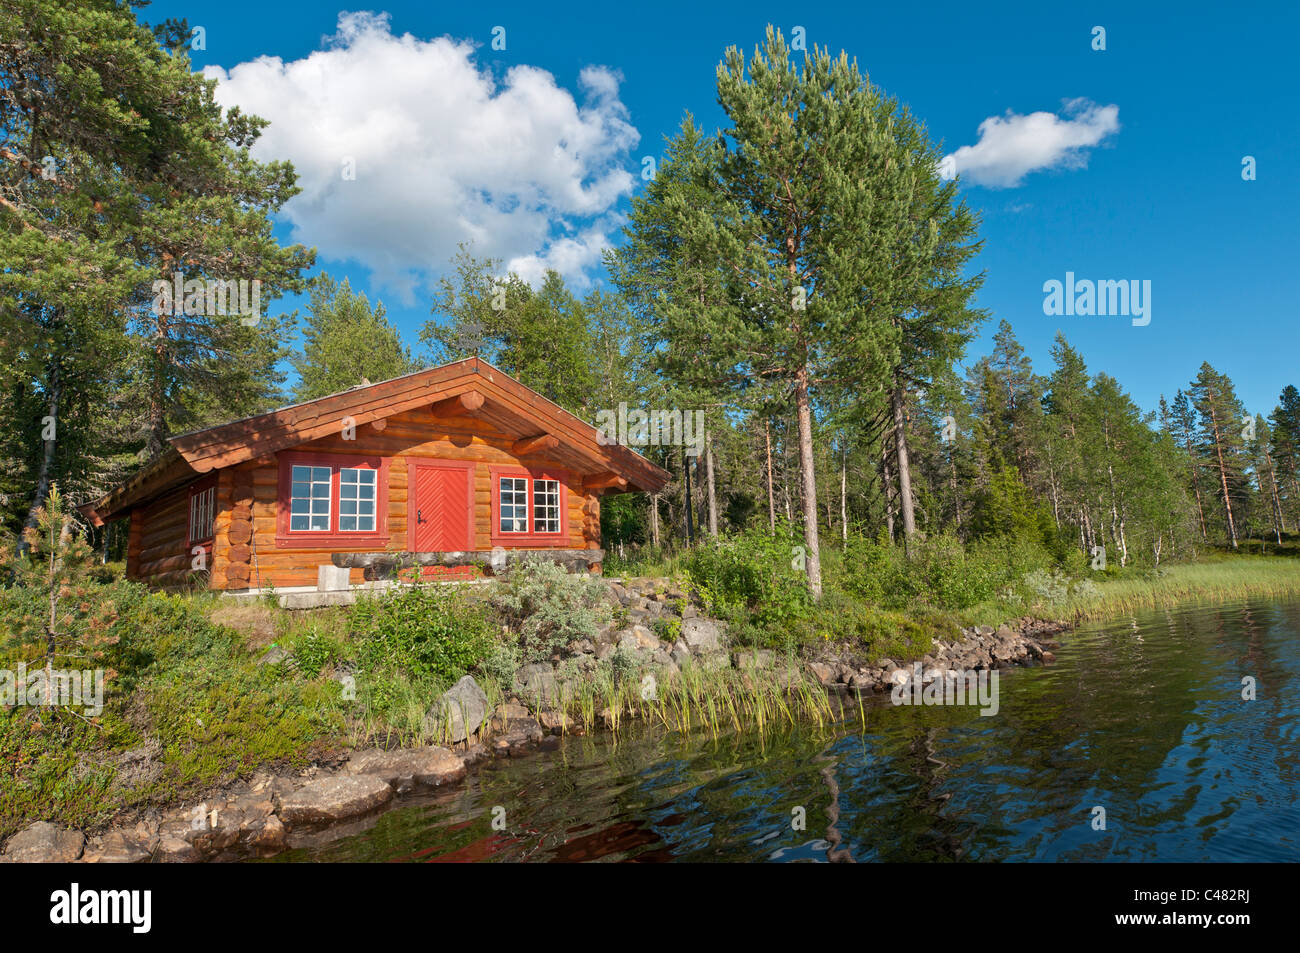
(469, 386)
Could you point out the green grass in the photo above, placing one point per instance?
(644, 561)
(1212, 581)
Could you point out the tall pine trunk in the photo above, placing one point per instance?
(712, 488)
(45, 472)
(771, 496)
(844, 500)
(889, 494)
(904, 473)
(1196, 485)
(686, 469)
(1223, 478)
(808, 480)
(1279, 522)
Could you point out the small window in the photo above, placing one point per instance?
(356, 500)
(203, 512)
(546, 506)
(309, 499)
(528, 507)
(514, 505)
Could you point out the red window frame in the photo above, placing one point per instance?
(201, 486)
(316, 539)
(530, 537)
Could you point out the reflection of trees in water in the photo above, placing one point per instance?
(576, 804)
(835, 853)
(1263, 639)
(931, 771)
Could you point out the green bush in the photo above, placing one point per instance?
(942, 573)
(753, 577)
(433, 631)
(548, 607)
(667, 627)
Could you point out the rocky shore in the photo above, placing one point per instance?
(655, 629)
(1027, 641)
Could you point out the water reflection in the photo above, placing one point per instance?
(1142, 717)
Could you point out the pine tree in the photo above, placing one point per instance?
(1182, 427)
(117, 167)
(1221, 442)
(345, 341)
(1260, 450)
(929, 236)
(1284, 423)
(802, 164)
(541, 337)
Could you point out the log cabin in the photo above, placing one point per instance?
(451, 466)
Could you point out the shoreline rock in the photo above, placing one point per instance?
(1021, 643)
(272, 813)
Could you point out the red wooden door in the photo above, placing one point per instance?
(441, 509)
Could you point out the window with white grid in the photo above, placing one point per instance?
(546, 506)
(356, 500)
(309, 499)
(514, 505)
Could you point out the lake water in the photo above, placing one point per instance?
(1142, 717)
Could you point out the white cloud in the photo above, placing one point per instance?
(1012, 146)
(444, 153)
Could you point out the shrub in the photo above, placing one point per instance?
(426, 631)
(315, 650)
(942, 573)
(501, 663)
(754, 576)
(548, 606)
(667, 627)
(1048, 588)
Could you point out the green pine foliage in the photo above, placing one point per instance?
(346, 342)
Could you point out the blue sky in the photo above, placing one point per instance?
(1140, 178)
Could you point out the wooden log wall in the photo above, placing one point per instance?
(244, 545)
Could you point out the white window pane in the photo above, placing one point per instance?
(514, 505)
(309, 499)
(546, 506)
